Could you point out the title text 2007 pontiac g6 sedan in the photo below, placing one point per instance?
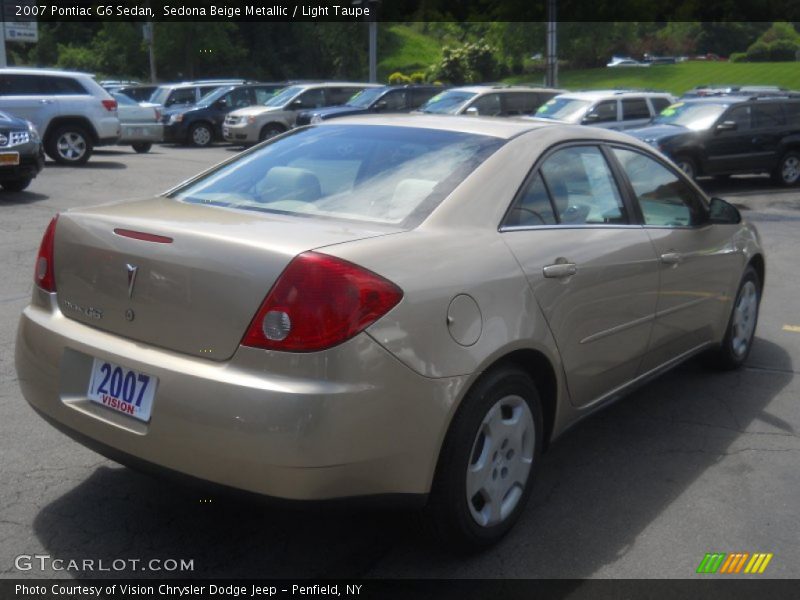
(409, 307)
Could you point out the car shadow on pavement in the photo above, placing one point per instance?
(598, 490)
(25, 197)
(92, 165)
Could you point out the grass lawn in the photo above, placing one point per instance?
(676, 78)
(406, 50)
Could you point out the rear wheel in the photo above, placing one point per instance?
(788, 170)
(687, 165)
(742, 323)
(16, 185)
(270, 130)
(142, 147)
(488, 461)
(200, 135)
(69, 145)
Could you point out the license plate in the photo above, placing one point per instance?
(9, 158)
(123, 390)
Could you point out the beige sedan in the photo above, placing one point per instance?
(407, 308)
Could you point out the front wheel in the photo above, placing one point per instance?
(687, 165)
(141, 147)
(742, 323)
(200, 135)
(788, 170)
(488, 461)
(270, 131)
(16, 185)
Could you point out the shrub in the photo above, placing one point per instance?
(783, 50)
(738, 57)
(469, 63)
(758, 52)
(398, 78)
(418, 77)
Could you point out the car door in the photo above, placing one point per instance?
(23, 96)
(769, 127)
(729, 143)
(593, 272)
(635, 113)
(696, 259)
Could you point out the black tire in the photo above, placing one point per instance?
(730, 354)
(16, 185)
(449, 513)
(201, 135)
(688, 165)
(141, 147)
(787, 173)
(270, 130)
(69, 145)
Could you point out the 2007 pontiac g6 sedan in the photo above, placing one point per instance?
(405, 307)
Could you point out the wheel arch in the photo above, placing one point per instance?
(757, 262)
(60, 121)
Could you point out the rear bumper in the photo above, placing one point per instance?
(141, 132)
(348, 422)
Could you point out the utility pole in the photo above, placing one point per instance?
(3, 59)
(372, 20)
(552, 57)
(150, 37)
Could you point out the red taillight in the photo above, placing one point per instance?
(320, 301)
(109, 104)
(44, 275)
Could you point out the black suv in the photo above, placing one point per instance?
(726, 135)
(200, 124)
(388, 99)
(21, 153)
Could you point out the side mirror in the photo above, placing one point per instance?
(727, 126)
(721, 212)
(221, 103)
(296, 104)
(381, 105)
(472, 112)
(590, 118)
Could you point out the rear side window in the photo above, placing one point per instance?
(420, 97)
(792, 111)
(635, 108)
(665, 199)
(659, 104)
(263, 94)
(767, 115)
(520, 103)
(574, 186)
(338, 96)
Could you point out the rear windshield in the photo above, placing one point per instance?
(375, 173)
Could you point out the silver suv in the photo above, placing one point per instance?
(279, 113)
(72, 113)
(609, 109)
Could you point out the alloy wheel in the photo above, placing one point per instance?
(71, 146)
(744, 318)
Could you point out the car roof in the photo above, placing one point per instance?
(54, 72)
(605, 94)
(504, 128)
(482, 89)
(320, 84)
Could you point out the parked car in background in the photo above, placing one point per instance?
(489, 100)
(406, 308)
(140, 123)
(279, 113)
(626, 62)
(388, 99)
(201, 123)
(610, 109)
(186, 93)
(21, 153)
(726, 135)
(114, 85)
(70, 110)
(140, 93)
(703, 91)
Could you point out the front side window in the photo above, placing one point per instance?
(19, 85)
(665, 199)
(182, 96)
(488, 105)
(396, 100)
(311, 99)
(604, 112)
(380, 174)
(574, 186)
(739, 115)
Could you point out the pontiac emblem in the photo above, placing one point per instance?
(3, 140)
(132, 270)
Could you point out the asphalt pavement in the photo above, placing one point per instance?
(695, 462)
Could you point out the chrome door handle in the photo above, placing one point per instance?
(560, 270)
(672, 258)
(45, 101)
